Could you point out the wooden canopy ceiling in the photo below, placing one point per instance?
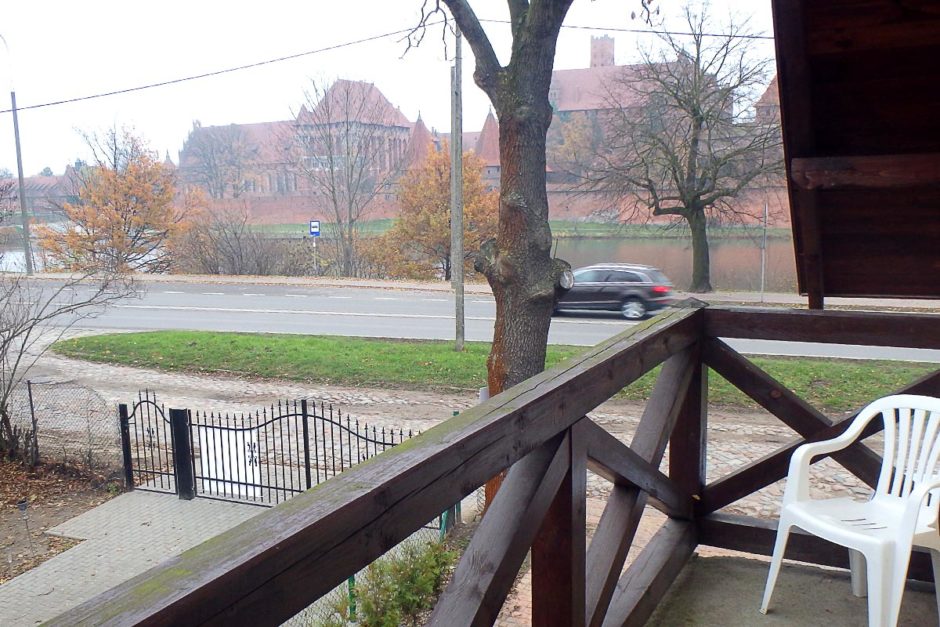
(860, 107)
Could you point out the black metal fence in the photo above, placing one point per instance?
(262, 457)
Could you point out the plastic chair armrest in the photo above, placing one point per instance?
(798, 474)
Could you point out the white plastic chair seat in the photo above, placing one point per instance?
(901, 514)
(860, 521)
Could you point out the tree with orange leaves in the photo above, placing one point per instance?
(422, 233)
(125, 211)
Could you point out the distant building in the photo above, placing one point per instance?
(264, 164)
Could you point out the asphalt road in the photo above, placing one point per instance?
(387, 313)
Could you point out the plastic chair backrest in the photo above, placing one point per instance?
(911, 444)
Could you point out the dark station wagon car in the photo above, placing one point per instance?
(633, 290)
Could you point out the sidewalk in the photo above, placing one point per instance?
(121, 539)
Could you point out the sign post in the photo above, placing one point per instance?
(315, 233)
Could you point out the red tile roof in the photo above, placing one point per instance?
(487, 144)
(345, 96)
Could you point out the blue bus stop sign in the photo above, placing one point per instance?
(315, 228)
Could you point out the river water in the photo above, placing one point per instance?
(735, 263)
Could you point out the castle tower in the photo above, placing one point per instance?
(602, 51)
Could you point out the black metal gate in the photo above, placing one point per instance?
(261, 457)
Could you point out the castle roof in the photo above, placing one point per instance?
(487, 144)
(360, 101)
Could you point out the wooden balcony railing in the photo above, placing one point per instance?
(276, 564)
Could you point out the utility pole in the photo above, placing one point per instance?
(22, 189)
(19, 164)
(763, 254)
(456, 194)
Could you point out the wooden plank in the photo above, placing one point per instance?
(794, 76)
(618, 523)
(272, 566)
(882, 171)
(558, 553)
(829, 327)
(850, 27)
(613, 460)
(774, 466)
(687, 446)
(787, 406)
(488, 568)
(648, 579)
(756, 535)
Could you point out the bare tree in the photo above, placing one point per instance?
(689, 146)
(218, 159)
(517, 263)
(33, 314)
(349, 145)
(221, 241)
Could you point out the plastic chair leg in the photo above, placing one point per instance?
(935, 562)
(783, 533)
(858, 569)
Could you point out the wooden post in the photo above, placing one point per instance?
(688, 442)
(126, 447)
(558, 553)
(182, 454)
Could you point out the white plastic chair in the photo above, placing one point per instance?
(901, 513)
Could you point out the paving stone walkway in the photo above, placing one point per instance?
(120, 539)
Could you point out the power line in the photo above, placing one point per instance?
(217, 72)
(642, 31)
(354, 43)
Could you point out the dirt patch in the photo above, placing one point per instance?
(53, 494)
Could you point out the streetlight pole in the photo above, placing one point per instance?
(27, 253)
(456, 195)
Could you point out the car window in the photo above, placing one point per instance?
(621, 276)
(659, 277)
(589, 276)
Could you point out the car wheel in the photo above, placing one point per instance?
(633, 309)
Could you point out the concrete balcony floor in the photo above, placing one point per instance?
(726, 591)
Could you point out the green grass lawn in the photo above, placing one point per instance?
(832, 385)
(300, 229)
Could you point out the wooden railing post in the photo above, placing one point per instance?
(558, 553)
(687, 446)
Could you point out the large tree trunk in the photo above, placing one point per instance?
(519, 266)
(701, 265)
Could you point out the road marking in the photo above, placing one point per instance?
(172, 292)
(385, 298)
(343, 297)
(213, 294)
(290, 311)
(346, 313)
(435, 300)
(296, 295)
(250, 294)
(483, 302)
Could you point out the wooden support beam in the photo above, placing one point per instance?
(756, 535)
(874, 172)
(558, 552)
(787, 406)
(489, 566)
(829, 327)
(610, 458)
(687, 447)
(648, 579)
(620, 518)
(774, 466)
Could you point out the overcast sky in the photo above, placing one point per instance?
(61, 50)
